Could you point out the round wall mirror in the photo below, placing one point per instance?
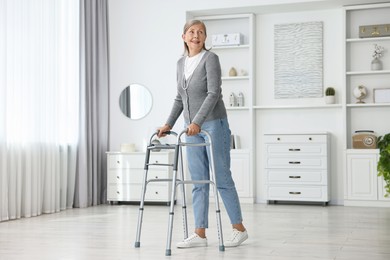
(135, 101)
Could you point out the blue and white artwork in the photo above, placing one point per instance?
(298, 60)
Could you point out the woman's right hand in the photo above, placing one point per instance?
(162, 130)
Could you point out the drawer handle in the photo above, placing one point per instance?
(156, 192)
(117, 177)
(295, 192)
(118, 162)
(118, 192)
(294, 162)
(156, 177)
(294, 149)
(294, 177)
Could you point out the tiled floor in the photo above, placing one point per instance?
(275, 232)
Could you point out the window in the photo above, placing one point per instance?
(39, 86)
(39, 71)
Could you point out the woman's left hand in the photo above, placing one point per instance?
(193, 129)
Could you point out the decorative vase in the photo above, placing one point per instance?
(232, 72)
(376, 64)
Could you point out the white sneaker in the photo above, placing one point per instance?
(192, 241)
(236, 238)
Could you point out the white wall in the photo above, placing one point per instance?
(299, 119)
(145, 43)
(144, 46)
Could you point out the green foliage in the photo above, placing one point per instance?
(384, 160)
(330, 91)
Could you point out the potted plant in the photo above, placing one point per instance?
(383, 166)
(330, 95)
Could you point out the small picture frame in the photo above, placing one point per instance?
(382, 95)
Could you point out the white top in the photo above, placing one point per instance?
(191, 63)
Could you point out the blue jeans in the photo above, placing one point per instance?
(198, 164)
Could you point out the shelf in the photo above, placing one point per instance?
(244, 46)
(369, 105)
(363, 151)
(237, 108)
(235, 78)
(298, 107)
(373, 39)
(368, 72)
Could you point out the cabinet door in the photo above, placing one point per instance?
(240, 172)
(362, 177)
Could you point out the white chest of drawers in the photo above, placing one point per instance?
(297, 167)
(125, 173)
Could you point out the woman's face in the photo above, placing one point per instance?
(195, 38)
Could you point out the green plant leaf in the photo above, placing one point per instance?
(383, 166)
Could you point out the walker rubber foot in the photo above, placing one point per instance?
(168, 252)
(221, 248)
(137, 244)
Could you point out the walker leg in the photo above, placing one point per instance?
(142, 202)
(141, 212)
(183, 194)
(219, 222)
(172, 206)
(170, 223)
(215, 190)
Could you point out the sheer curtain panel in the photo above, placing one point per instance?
(39, 106)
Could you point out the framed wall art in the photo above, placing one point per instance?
(298, 60)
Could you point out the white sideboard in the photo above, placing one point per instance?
(125, 173)
(297, 167)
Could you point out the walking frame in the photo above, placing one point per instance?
(176, 181)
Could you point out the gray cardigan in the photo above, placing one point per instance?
(199, 97)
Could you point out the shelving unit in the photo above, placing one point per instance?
(242, 58)
(362, 187)
(357, 66)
